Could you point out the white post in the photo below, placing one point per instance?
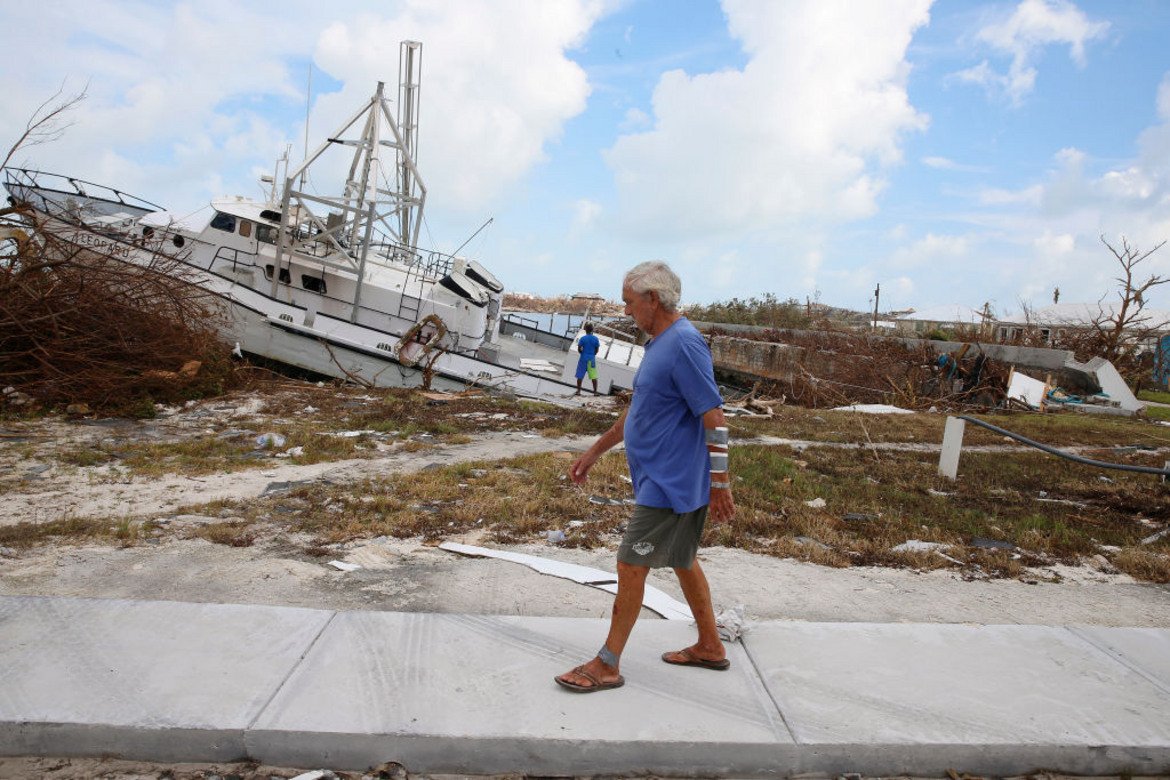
(952, 444)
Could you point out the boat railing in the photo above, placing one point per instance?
(518, 319)
(619, 339)
(383, 248)
(69, 186)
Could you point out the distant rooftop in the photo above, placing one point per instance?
(952, 312)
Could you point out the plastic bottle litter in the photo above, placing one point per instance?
(270, 440)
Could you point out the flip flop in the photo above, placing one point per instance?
(693, 660)
(597, 685)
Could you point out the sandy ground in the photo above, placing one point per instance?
(409, 575)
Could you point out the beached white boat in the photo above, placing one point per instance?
(335, 284)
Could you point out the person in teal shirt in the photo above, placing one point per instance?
(587, 363)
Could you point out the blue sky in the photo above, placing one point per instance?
(952, 152)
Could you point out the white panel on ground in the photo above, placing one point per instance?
(654, 599)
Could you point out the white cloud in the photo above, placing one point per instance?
(800, 133)
(1163, 100)
(496, 82)
(189, 88)
(936, 252)
(1130, 184)
(993, 196)
(585, 214)
(635, 119)
(947, 164)
(1054, 246)
(942, 163)
(1033, 25)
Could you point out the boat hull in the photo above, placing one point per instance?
(301, 337)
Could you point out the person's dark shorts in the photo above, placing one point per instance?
(659, 538)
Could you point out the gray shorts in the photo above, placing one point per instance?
(657, 537)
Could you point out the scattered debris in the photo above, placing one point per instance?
(872, 409)
(816, 503)
(534, 364)
(1155, 537)
(607, 501)
(917, 545)
(282, 487)
(270, 441)
(731, 623)
(343, 566)
(349, 434)
(1032, 393)
(316, 774)
(807, 540)
(992, 544)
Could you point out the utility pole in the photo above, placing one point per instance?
(877, 294)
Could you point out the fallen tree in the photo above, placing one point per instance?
(79, 326)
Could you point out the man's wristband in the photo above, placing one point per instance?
(720, 485)
(717, 436)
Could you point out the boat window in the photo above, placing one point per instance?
(225, 222)
(266, 233)
(314, 283)
(245, 228)
(284, 275)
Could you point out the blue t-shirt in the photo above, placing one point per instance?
(589, 345)
(665, 445)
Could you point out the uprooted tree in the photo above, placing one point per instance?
(79, 326)
(83, 326)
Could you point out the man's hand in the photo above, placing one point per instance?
(579, 470)
(722, 506)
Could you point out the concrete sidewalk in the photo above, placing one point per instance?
(443, 693)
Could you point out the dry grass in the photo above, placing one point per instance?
(126, 531)
(400, 418)
(1143, 564)
(1009, 511)
(1060, 429)
(991, 523)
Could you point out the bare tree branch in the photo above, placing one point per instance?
(46, 125)
(1128, 326)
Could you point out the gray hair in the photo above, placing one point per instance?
(655, 276)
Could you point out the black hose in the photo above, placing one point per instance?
(1067, 455)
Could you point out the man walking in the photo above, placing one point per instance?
(587, 345)
(676, 447)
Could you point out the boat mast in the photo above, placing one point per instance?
(410, 78)
(369, 205)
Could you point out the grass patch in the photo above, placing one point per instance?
(1157, 396)
(1059, 429)
(233, 533)
(1010, 509)
(1141, 564)
(992, 522)
(1157, 412)
(124, 530)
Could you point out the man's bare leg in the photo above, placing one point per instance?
(627, 605)
(698, 595)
